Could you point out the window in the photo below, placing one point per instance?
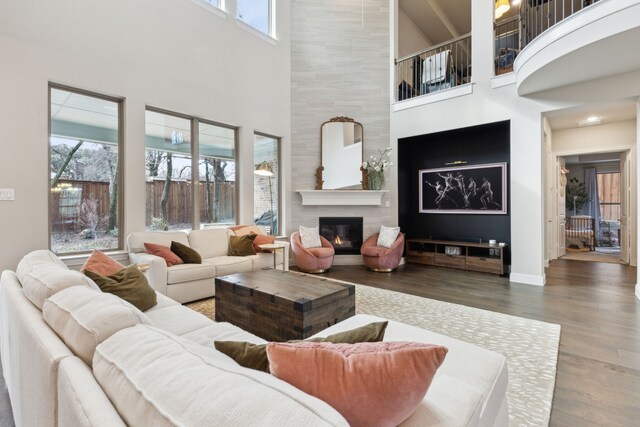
(266, 182)
(84, 161)
(256, 13)
(168, 172)
(172, 188)
(609, 196)
(217, 174)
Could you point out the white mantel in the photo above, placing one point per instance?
(342, 197)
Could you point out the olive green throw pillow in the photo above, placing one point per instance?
(254, 356)
(242, 245)
(185, 253)
(128, 284)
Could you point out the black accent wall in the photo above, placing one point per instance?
(488, 143)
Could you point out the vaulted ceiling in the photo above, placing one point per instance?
(439, 20)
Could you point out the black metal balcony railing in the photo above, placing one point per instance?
(535, 17)
(439, 67)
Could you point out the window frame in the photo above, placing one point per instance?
(618, 203)
(278, 140)
(219, 9)
(195, 158)
(121, 172)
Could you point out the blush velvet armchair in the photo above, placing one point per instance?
(381, 259)
(312, 260)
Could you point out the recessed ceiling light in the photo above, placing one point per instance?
(590, 121)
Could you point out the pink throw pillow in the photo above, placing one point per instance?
(163, 252)
(379, 383)
(263, 239)
(101, 263)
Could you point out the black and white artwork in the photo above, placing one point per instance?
(475, 189)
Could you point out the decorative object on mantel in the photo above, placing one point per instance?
(341, 142)
(375, 169)
(365, 178)
(319, 180)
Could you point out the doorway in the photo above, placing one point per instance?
(595, 207)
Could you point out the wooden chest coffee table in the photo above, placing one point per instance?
(280, 306)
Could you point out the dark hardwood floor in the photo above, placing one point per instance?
(598, 377)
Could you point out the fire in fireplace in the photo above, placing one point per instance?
(344, 233)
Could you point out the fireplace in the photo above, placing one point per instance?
(344, 233)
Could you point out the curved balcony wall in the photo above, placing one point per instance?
(597, 42)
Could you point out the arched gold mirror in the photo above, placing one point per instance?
(341, 140)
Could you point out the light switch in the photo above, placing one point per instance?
(7, 194)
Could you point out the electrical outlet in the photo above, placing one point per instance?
(7, 194)
(387, 204)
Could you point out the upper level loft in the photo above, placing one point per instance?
(544, 43)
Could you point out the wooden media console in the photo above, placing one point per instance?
(484, 257)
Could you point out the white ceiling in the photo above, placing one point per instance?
(439, 19)
(609, 112)
(86, 110)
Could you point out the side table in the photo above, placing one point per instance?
(275, 247)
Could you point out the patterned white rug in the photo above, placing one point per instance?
(530, 346)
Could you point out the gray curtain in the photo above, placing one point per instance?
(591, 185)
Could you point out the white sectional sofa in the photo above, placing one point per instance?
(190, 282)
(164, 370)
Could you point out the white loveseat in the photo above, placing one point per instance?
(190, 282)
(164, 370)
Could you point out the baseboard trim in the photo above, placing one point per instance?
(527, 279)
(638, 291)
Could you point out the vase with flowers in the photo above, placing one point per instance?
(376, 167)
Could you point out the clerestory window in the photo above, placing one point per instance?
(257, 14)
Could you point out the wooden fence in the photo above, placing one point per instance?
(65, 205)
(179, 207)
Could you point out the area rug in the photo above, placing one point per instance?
(530, 346)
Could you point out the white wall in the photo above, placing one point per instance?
(486, 104)
(617, 136)
(410, 38)
(169, 54)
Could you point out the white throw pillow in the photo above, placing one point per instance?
(84, 317)
(387, 236)
(310, 237)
